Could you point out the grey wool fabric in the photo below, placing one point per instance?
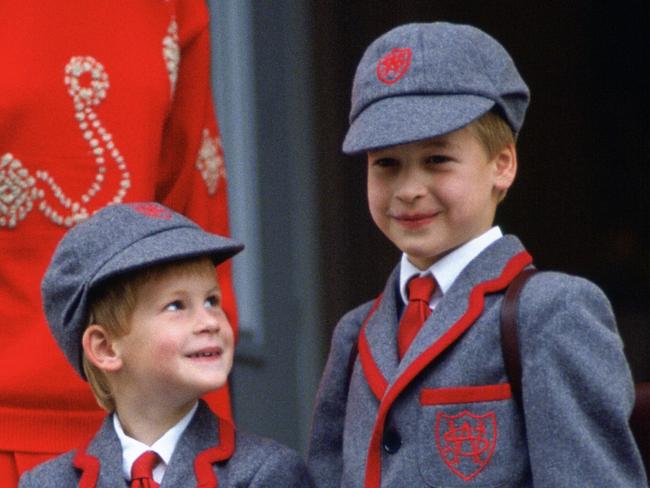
(454, 423)
(419, 81)
(117, 239)
(256, 462)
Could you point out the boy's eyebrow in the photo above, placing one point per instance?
(440, 143)
(182, 291)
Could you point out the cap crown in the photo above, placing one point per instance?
(466, 69)
(117, 239)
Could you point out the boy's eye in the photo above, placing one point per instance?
(385, 162)
(213, 301)
(175, 305)
(438, 159)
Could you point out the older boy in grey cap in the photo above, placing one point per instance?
(415, 392)
(131, 297)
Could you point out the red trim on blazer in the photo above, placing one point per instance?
(371, 371)
(465, 394)
(474, 309)
(89, 467)
(204, 460)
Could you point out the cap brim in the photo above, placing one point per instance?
(169, 245)
(409, 118)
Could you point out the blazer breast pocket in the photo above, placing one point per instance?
(471, 436)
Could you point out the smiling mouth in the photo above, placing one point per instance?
(205, 354)
(416, 220)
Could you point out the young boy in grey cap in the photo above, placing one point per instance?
(131, 297)
(415, 392)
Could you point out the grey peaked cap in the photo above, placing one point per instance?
(117, 239)
(449, 75)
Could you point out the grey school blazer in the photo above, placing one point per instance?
(444, 416)
(208, 454)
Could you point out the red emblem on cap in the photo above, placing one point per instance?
(394, 65)
(466, 442)
(152, 210)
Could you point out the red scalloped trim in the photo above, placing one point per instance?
(204, 460)
(89, 467)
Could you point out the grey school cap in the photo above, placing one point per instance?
(115, 240)
(419, 81)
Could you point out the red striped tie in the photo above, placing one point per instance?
(417, 311)
(142, 470)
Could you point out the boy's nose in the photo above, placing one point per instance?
(208, 322)
(410, 187)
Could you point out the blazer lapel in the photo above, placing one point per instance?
(457, 312)
(378, 341)
(484, 274)
(206, 440)
(100, 463)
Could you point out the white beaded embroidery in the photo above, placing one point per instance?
(210, 161)
(171, 53)
(19, 190)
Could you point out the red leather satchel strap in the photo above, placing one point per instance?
(509, 337)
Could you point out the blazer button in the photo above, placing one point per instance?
(392, 441)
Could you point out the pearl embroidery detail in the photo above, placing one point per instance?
(17, 191)
(210, 161)
(171, 53)
(87, 83)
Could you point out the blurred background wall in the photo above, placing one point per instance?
(282, 75)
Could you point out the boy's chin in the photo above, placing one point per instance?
(424, 261)
(213, 386)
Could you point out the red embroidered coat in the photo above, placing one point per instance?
(103, 101)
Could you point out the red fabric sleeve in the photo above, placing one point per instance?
(193, 176)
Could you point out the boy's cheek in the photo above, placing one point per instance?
(167, 349)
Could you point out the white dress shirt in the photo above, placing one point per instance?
(446, 270)
(164, 447)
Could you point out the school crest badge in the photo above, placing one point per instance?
(394, 65)
(152, 210)
(466, 441)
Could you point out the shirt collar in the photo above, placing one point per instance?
(164, 447)
(446, 270)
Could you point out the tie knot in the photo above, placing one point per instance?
(421, 288)
(144, 465)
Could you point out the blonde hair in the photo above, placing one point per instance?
(112, 305)
(493, 132)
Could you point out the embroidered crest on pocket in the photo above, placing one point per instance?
(466, 441)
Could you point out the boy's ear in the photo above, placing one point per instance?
(99, 348)
(505, 168)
